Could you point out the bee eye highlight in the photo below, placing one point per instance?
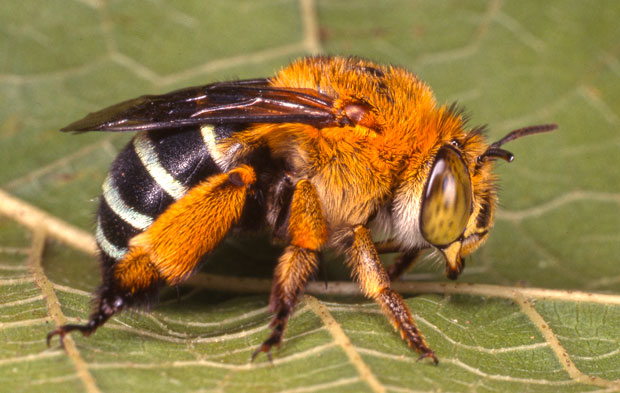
(447, 200)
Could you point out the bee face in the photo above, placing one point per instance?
(435, 208)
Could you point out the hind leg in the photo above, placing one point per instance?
(109, 300)
(169, 250)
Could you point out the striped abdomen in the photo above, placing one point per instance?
(152, 171)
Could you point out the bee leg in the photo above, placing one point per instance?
(294, 268)
(169, 250)
(308, 232)
(375, 283)
(107, 305)
(405, 261)
(387, 246)
(112, 298)
(190, 228)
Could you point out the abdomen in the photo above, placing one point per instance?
(150, 173)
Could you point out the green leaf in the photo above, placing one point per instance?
(510, 64)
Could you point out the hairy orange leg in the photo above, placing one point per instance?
(375, 284)
(308, 232)
(171, 248)
(187, 230)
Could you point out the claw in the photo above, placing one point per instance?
(61, 335)
(263, 348)
(62, 331)
(429, 354)
(274, 339)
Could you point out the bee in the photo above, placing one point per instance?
(325, 153)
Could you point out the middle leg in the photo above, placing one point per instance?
(307, 233)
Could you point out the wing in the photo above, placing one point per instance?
(239, 102)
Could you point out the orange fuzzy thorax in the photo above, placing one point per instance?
(405, 109)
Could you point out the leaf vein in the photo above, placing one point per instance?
(344, 343)
(560, 352)
(54, 310)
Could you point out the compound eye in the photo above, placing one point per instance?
(447, 200)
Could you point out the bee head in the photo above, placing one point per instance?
(454, 210)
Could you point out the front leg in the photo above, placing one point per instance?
(375, 283)
(307, 232)
(405, 260)
(403, 264)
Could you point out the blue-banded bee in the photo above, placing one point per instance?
(320, 153)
